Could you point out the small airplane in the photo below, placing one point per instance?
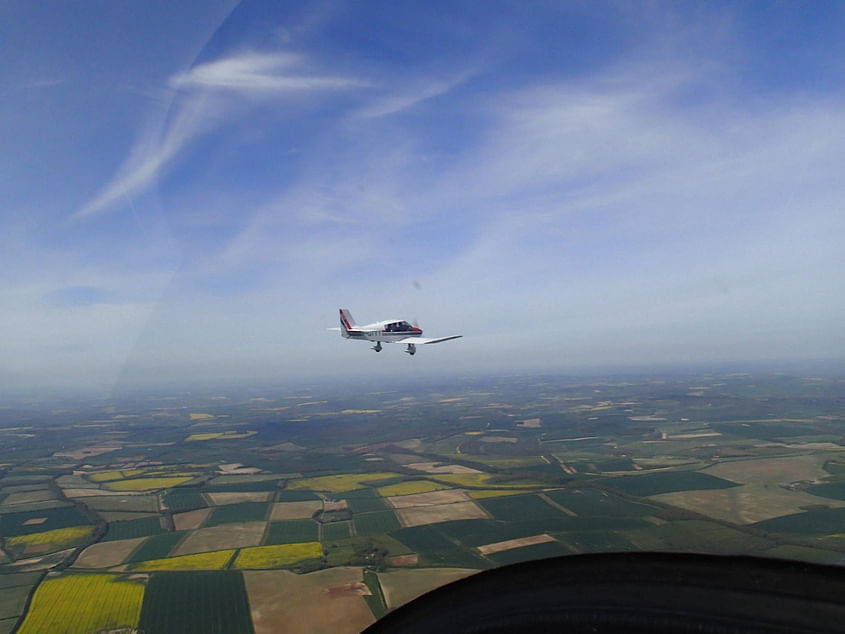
(387, 331)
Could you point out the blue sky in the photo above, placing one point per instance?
(191, 190)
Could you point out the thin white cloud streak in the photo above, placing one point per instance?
(202, 101)
(259, 73)
(400, 101)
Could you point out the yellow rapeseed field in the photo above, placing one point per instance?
(56, 539)
(146, 484)
(84, 603)
(483, 480)
(214, 560)
(413, 486)
(201, 416)
(220, 435)
(493, 493)
(105, 476)
(339, 483)
(278, 555)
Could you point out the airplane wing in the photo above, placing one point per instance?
(416, 340)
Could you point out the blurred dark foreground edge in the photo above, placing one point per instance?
(633, 592)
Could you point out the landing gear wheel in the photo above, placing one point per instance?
(377, 347)
(412, 349)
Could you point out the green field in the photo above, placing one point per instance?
(202, 602)
(292, 531)
(243, 512)
(378, 522)
(375, 600)
(184, 499)
(598, 541)
(435, 548)
(666, 482)
(830, 490)
(296, 496)
(518, 507)
(593, 502)
(335, 531)
(366, 504)
(698, 536)
(819, 522)
(62, 517)
(134, 528)
(156, 547)
(132, 503)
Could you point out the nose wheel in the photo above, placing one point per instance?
(412, 349)
(377, 347)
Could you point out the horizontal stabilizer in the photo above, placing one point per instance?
(422, 340)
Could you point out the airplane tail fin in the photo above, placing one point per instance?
(347, 323)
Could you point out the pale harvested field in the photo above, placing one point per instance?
(421, 515)
(190, 520)
(771, 470)
(745, 504)
(327, 601)
(34, 521)
(509, 439)
(335, 505)
(295, 510)
(448, 496)
(236, 497)
(402, 586)
(221, 537)
(107, 554)
(436, 467)
(404, 560)
(510, 544)
(81, 454)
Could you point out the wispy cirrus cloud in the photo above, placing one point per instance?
(202, 99)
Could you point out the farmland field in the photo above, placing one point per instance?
(666, 482)
(156, 547)
(49, 541)
(277, 556)
(184, 499)
(84, 603)
(747, 503)
(817, 522)
(403, 586)
(292, 531)
(296, 496)
(323, 601)
(436, 513)
(190, 519)
(107, 554)
(378, 522)
(39, 521)
(220, 498)
(366, 504)
(335, 531)
(340, 483)
(295, 510)
(592, 502)
(134, 528)
(520, 507)
(232, 513)
(436, 549)
(133, 503)
(200, 561)
(528, 553)
(146, 484)
(235, 535)
(411, 486)
(211, 602)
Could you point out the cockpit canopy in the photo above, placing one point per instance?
(398, 326)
